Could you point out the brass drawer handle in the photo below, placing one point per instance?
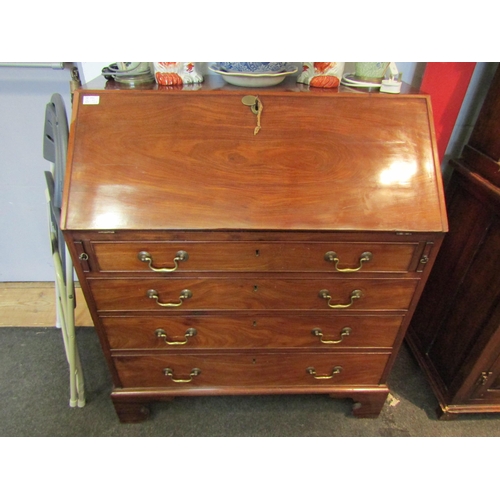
(162, 334)
(180, 256)
(168, 372)
(325, 294)
(344, 333)
(312, 371)
(333, 257)
(185, 294)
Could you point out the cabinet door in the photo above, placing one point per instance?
(488, 385)
(465, 315)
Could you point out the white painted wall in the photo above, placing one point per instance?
(24, 92)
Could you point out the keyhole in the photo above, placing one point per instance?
(255, 288)
(254, 323)
(254, 361)
(257, 253)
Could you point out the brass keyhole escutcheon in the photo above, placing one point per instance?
(256, 106)
(251, 100)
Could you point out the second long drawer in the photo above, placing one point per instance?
(242, 294)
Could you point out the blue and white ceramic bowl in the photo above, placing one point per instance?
(253, 67)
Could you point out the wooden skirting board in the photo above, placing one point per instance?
(34, 304)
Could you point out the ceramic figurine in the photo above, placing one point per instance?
(176, 73)
(371, 71)
(321, 74)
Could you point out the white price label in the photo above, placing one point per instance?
(90, 99)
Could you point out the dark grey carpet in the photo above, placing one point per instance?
(34, 396)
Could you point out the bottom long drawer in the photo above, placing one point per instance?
(180, 372)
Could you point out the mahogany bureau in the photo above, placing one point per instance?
(237, 241)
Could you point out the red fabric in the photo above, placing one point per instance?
(447, 85)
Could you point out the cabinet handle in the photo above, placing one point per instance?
(325, 294)
(333, 257)
(168, 372)
(344, 333)
(312, 371)
(185, 294)
(162, 334)
(180, 256)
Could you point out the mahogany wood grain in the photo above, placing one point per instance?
(253, 257)
(191, 160)
(213, 294)
(455, 331)
(252, 331)
(132, 405)
(264, 370)
(161, 170)
(478, 162)
(456, 322)
(472, 306)
(131, 412)
(369, 404)
(214, 82)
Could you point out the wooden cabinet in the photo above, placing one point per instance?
(455, 332)
(218, 259)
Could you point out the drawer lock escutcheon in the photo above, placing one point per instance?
(344, 333)
(311, 371)
(333, 257)
(256, 106)
(325, 294)
(168, 372)
(162, 334)
(180, 256)
(185, 294)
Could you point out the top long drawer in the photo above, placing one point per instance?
(167, 257)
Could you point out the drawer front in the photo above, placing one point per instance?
(272, 332)
(252, 256)
(242, 294)
(184, 372)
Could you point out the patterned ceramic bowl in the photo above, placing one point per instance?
(252, 67)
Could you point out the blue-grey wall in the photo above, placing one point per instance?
(24, 242)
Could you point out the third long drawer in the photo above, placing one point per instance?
(244, 331)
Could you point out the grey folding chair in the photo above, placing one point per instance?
(55, 146)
